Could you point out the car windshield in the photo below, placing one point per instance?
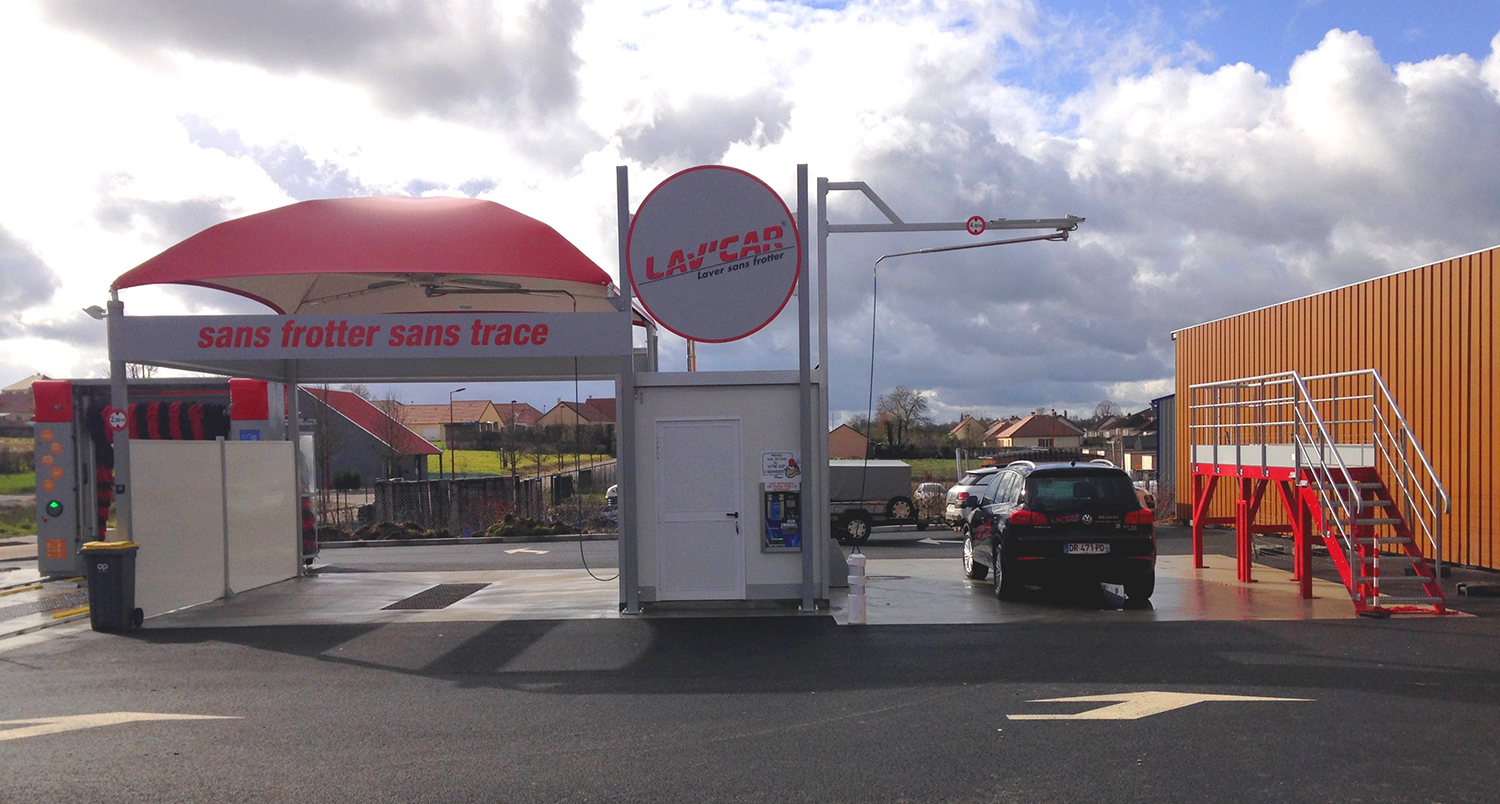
(1073, 490)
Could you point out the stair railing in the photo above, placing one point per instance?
(1374, 418)
(1316, 415)
(1338, 493)
(1277, 409)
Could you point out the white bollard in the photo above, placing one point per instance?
(857, 610)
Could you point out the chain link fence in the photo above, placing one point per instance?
(570, 501)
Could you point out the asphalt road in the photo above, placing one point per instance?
(759, 709)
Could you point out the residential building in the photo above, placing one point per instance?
(16, 407)
(517, 414)
(1036, 430)
(846, 442)
(969, 432)
(351, 435)
(573, 414)
(442, 422)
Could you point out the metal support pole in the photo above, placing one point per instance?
(1244, 519)
(817, 525)
(1203, 495)
(804, 379)
(625, 430)
(294, 434)
(1304, 545)
(119, 399)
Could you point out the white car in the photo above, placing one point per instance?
(953, 512)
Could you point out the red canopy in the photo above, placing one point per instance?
(385, 254)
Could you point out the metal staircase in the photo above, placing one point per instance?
(1350, 472)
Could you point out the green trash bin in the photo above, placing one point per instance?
(111, 574)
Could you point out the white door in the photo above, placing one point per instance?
(700, 550)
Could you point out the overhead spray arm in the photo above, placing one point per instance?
(1064, 224)
(1055, 236)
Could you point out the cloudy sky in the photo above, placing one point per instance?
(1226, 155)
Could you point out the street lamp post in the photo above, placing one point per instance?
(452, 459)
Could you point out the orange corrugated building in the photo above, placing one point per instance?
(1431, 334)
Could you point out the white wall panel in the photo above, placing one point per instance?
(263, 521)
(179, 523)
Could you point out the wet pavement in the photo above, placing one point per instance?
(900, 591)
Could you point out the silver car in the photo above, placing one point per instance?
(953, 512)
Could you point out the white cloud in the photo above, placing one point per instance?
(1207, 191)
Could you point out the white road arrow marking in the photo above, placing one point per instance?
(527, 550)
(1136, 705)
(939, 541)
(53, 725)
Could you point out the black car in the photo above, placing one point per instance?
(1035, 523)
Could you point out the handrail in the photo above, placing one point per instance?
(1324, 444)
(1426, 464)
(1315, 414)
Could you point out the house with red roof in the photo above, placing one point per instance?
(517, 414)
(591, 412)
(1036, 430)
(351, 435)
(464, 419)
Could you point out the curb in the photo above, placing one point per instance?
(557, 537)
(31, 629)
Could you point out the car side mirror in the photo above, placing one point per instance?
(971, 501)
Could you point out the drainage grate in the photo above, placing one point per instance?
(438, 597)
(66, 600)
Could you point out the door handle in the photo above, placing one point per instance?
(735, 514)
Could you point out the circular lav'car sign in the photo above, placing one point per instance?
(713, 254)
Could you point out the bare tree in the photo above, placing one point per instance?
(1105, 409)
(860, 423)
(388, 429)
(360, 390)
(137, 371)
(905, 408)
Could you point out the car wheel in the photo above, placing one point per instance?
(855, 528)
(1141, 587)
(898, 508)
(1006, 582)
(972, 569)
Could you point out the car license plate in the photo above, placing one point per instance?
(1086, 548)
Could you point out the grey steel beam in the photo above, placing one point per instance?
(119, 399)
(804, 379)
(1065, 224)
(625, 430)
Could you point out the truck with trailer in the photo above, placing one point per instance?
(866, 494)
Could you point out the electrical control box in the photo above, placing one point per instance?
(64, 520)
(781, 520)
